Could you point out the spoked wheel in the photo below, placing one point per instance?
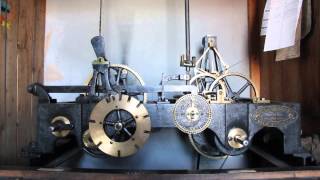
(204, 81)
(121, 76)
(119, 125)
(238, 93)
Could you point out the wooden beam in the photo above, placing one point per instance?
(254, 41)
(38, 56)
(11, 84)
(56, 174)
(26, 49)
(21, 63)
(3, 32)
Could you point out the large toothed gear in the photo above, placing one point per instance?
(192, 114)
(120, 125)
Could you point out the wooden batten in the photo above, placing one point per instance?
(21, 63)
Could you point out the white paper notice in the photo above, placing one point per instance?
(282, 24)
(265, 18)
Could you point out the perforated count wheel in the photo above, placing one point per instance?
(192, 114)
(119, 126)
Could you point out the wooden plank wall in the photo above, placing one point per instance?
(21, 63)
(296, 80)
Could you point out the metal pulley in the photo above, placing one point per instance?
(60, 126)
(237, 138)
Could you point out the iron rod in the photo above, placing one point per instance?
(187, 24)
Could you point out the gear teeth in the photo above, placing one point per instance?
(140, 103)
(198, 104)
(136, 146)
(92, 121)
(99, 144)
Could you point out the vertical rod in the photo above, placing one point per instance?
(100, 18)
(187, 24)
(187, 27)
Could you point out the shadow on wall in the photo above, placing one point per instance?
(148, 36)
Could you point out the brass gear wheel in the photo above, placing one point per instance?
(120, 125)
(87, 140)
(192, 114)
(127, 76)
(237, 94)
(203, 82)
(122, 76)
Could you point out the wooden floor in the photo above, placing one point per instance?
(32, 174)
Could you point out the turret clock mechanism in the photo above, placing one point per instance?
(112, 116)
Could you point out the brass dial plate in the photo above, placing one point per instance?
(192, 114)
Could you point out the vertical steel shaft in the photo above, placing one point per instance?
(100, 18)
(187, 24)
